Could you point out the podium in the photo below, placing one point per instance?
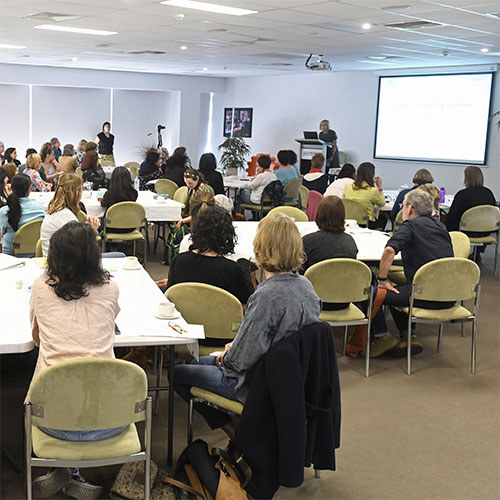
(308, 148)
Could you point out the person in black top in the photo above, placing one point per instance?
(106, 141)
(332, 152)
(212, 238)
(473, 195)
(208, 166)
(11, 156)
(150, 169)
(176, 165)
(420, 239)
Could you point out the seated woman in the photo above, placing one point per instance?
(68, 160)
(268, 319)
(286, 172)
(150, 169)
(207, 167)
(316, 179)
(64, 208)
(76, 291)
(331, 241)
(194, 182)
(256, 186)
(5, 188)
(436, 195)
(344, 177)
(421, 177)
(51, 167)
(367, 190)
(22, 167)
(473, 195)
(11, 156)
(80, 152)
(11, 169)
(33, 171)
(176, 165)
(19, 211)
(92, 170)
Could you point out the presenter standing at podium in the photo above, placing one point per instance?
(330, 136)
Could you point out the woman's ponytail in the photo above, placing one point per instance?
(20, 185)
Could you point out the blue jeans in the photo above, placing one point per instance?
(98, 435)
(245, 196)
(112, 255)
(205, 374)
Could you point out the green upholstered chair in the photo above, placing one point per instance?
(304, 196)
(79, 172)
(482, 219)
(81, 216)
(181, 195)
(220, 312)
(125, 215)
(342, 281)
(342, 157)
(354, 210)
(292, 192)
(26, 238)
(461, 244)
(262, 208)
(38, 249)
(133, 168)
(443, 280)
(293, 212)
(166, 186)
(82, 395)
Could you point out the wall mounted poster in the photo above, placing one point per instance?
(238, 122)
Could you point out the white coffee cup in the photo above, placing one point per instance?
(166, 309)
(131, 263)
(351, 223)
(161, 199)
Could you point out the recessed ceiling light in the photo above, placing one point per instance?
(484, 50)
(204, 69)
(70, 29)
(183, 47)
(74, 59)
(9, 46)
(366, 26)
(209, 7)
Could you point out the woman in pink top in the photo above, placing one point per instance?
(72, 311)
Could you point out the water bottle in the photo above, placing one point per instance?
(443, 194)
(136, 183)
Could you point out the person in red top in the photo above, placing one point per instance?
(316, 179)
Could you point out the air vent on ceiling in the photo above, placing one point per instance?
(51, 16)
(146, 52)
(412, 24)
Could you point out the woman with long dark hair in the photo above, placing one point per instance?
(76, 291)
(11, 156)
(176, 165)
(106, 141)
(92, 170)
(5, 188)
(120, 188)
(208, 167)
(19, 211)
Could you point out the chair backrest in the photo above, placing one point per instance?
(166, 186)
(461, 244)
(342, 157)
(355, 210)
(81, 216)
(133, 167)
(340, 280)
(210, 189)
(399, 220)
(273, 194)
(38, 249)
(483, 218)
(79, 172)
(26, 238)
(295, 213)
(313, 201)
(449, 279)
(126, 215)
(217, 310)
(181, 195)
(292, 189)
(88, 394)
(304, 195)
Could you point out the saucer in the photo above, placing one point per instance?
(175, 315)
(131, 268)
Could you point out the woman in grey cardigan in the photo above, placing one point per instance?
(282, 305)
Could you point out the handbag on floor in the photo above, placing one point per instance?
(211, 472)
(173, 243)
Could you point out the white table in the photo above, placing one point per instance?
(156, 211)
(138, 300)
(236, 181)
(392, 194)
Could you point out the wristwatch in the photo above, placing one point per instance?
(382, 279)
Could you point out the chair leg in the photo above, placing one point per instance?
(408, 347)
(474, 345)
(146, 248)
(345, 340)
(190, 422)
(496, 259)
(147, 465)
(317, 473)
(159, 370)
(438, 348)
(27, 451)
(134, 248)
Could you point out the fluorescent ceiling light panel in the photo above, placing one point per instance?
(209, 7)
(9, 46)
(70, 29)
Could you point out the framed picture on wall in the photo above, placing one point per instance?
(238, 122)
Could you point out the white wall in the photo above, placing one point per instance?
(284, 106)
(77, 102)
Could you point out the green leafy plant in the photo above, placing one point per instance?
(493, 116)
(234, 151)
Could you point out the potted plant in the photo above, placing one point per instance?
(234, 150)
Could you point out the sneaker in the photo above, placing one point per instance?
(400, 351)
(380, 345)
(49, 484)
(80, 488)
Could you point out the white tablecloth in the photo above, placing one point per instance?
(392, 194)
(156, 211)
(236, 181)
(138, 300)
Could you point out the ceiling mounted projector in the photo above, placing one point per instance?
(318, 65)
